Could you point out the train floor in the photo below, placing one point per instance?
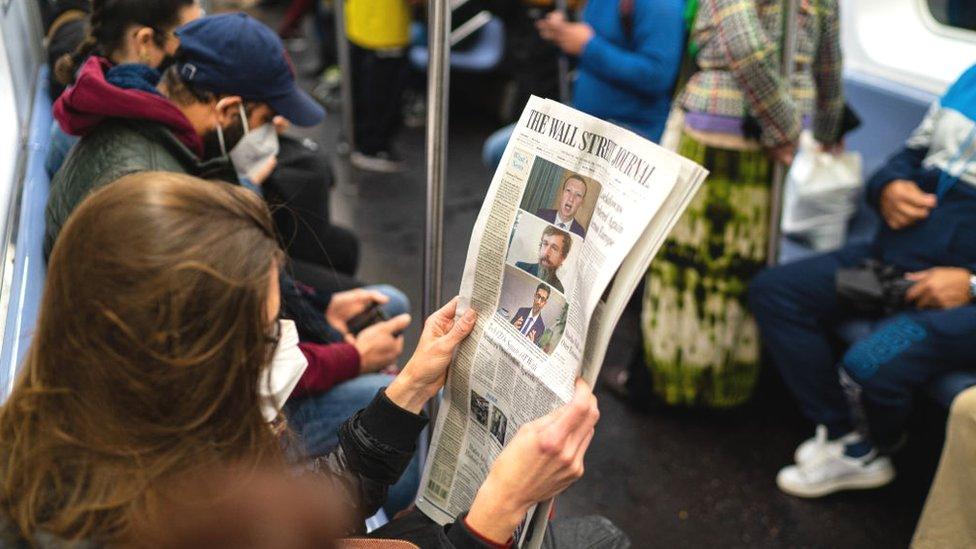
(669, 478)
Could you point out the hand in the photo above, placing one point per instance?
(939, 288)
(380, 344)
(544, 458)
(345, 305)
(281, 124)
(261, 174)
(783, 153)
(572, 38)
(426, 371)
(903, 204)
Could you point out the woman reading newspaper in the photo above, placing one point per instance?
(149, 368)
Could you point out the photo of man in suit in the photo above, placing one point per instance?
(574, 191)
(528, 320)
(553, 249)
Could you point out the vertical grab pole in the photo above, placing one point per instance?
(564, 94)
(347, 143)
(438, 86)
(779, 170)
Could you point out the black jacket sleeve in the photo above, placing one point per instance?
(375, 446)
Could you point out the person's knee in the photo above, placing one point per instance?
(963, 410)
(877, 363)
(398, 303)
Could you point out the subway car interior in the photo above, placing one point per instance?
(670, 464)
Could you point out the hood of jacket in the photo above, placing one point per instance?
(93, 99)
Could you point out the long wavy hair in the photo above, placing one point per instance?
(152, 342)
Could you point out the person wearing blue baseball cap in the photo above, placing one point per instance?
(208, 115)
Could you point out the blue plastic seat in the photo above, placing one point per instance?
(483, 56)
(27, 282)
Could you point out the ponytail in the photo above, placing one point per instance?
(67, 65)
(107, 25)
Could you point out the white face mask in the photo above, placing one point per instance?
(255, 149)
(287, 367)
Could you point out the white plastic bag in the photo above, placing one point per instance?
(821, 195)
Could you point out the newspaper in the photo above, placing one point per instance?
(576, 203)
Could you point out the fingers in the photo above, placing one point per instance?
(912, 211)
(572, 421)
(462, 327)
(378, 297)
(396, 324)
(919, 199)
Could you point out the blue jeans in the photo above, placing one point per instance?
(494, 148)
(870, 386)
(398, 304)
(316, 421)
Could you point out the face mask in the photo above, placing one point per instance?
(287, 367)
(255, 149)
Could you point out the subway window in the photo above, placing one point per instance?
(954, 13)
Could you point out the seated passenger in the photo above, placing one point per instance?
(193, 123)
(152, 347)
(628, 54)
(128, 33)
(927, 196)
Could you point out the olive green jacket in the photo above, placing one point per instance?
(116, 148)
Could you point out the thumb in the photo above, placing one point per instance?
(462, 327)
(396, 324)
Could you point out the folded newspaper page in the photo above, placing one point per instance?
(575, 204)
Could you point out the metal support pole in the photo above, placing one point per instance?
(564, 93)
(347, 140)
(438, 86)
(790, 22)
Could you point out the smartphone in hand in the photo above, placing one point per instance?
(373, 314)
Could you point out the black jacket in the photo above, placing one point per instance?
(375, 446)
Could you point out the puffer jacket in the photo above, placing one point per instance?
(120, 147)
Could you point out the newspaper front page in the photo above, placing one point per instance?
(564, 214)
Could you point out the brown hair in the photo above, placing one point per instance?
(151, 344)
(107, 24)
(552, 230)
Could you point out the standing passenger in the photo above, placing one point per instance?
(740, 118)
(379, 33)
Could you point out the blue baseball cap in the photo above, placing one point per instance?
(235, 54)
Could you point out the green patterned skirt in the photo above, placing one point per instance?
(700, 341)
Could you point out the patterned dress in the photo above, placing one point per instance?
(700, 342)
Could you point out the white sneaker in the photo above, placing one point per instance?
(831, 471)
(383, 162)
(811, 447)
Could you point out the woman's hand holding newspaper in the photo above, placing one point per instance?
(426, 371)
(544, 458)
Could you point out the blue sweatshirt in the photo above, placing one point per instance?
(630, 80)
(942, 149)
